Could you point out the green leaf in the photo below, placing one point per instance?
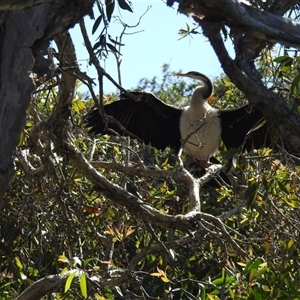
(96, 24)
(69, 281)
(282, 59)
(253, 265)
(220, 281)
(124, 5)
(291, 243)
(83, 285)
(21, 138)
(18, 262)
(261, 124)
(86, 262)
(78, 105)
(282, 186)
(295, 85)
(285, 68)
(110, 5)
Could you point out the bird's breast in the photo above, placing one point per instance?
(204, 131)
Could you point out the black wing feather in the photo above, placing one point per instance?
(237, 123)
(148, 118)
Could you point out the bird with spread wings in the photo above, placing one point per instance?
(198, 128)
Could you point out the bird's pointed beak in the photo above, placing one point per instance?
(178, 74)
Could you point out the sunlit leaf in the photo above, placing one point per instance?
(212, 297)
(117, 150)
(160, 273)
(291, 242)
(263, 265)
(222, 280)
(63, 258)
(78, 105)
(291, 201)
(21, 139)
(83, 285)
(64, 270)
(155, 274)
(110, 231)
(69, 281)
(285, 69)
(164, 279)
(129, 230)
(18, 262)
(266, 288)
(98, 297)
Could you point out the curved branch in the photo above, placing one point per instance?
(245, 17)
(54, 283)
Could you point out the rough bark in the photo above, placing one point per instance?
(252, 29)
(19, 44)
(20, 4)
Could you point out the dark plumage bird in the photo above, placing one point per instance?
(199, 125)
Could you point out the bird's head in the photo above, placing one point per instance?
(206, 89)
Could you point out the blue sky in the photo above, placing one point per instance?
(150, 45)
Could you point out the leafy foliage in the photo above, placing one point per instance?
(57, 220)
(60, 212)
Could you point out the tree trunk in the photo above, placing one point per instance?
(22, 34)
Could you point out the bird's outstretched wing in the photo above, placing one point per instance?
(245, 126)
(147, 117)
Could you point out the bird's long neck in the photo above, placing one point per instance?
(198, 102)
(207, 88)
(202, 92)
